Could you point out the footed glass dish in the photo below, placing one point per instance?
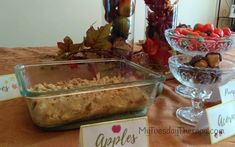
(65, 95)
(202, 80)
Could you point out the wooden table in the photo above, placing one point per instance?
(17, 128)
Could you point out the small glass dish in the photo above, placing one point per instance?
(197, 45)
(67, 94)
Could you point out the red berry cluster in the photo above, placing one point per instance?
(160, 18)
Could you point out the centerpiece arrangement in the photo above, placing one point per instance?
(114, 39)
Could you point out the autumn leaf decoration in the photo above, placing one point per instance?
(68, 46)
(98, 39)
(94, 44)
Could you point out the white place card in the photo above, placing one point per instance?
(8, 87)
(221, 121)
(120, 133)
(227, 91)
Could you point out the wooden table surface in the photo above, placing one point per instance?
(17, 128)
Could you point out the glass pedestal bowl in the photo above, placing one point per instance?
(195, 45)
(203, 80)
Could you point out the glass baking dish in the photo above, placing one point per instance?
(67, 94)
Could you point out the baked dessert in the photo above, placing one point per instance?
(64, 109)
(200, 74)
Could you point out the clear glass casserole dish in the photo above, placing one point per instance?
(67, 94)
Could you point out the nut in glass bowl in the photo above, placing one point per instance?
(197, 45)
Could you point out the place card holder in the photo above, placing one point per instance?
(220, 119)
(8, 87)
(119, 133)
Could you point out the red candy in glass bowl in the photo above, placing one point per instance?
(193, 44)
